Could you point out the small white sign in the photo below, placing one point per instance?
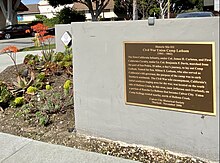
(66, 38)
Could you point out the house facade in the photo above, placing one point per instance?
(28, 16)
(212, 5)
(44, 8)
(107, 13)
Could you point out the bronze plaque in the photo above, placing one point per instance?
(175, 76)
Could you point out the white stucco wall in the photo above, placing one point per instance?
(99, 102)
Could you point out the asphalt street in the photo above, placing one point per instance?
(18, 42)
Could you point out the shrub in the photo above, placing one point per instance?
(5, 95)
(50, 22)
(67, 15)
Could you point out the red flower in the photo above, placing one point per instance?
(48, 37)
(7, 49)
(27, 31)
(40, 29)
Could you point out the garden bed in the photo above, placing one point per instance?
(60, 128)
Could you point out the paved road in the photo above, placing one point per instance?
(18, 42)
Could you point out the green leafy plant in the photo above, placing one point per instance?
(5, 95)
(39, 85)
(23, 83)
(58, 57)
(40, 77)
(31, 60)
(23, 111)
(31, 90)
(67, 86)
(43, 119)
(18, 101)
(48, 87)
(66, 62)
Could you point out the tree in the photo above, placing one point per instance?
(148, 8)
(67, 15)
(9, 10)
(135, 11)
(179, 6)
(95, 6)
(145, 8)
(123, 8)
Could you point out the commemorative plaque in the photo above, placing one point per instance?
(175, 76)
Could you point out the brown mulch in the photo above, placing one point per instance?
(61, 130)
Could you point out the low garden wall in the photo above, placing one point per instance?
(60, 29)
(104, 104)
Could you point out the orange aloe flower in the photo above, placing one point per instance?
(12, 49)
(44, 38)
(27, 31)
(40, 29)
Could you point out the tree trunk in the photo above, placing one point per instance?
(161, 10)
(10, 13)
(94, 17)
(135, 15)
(2, 6)
(9, 18)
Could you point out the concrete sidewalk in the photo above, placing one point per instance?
(5, 60)
(14, 149)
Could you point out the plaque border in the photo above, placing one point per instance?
(170, 108)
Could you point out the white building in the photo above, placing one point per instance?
(216, 5)
(49, 11)
(108, 12)
(28, 16)
(42, 8)
(212, 4)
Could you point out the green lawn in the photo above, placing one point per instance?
(33, 48)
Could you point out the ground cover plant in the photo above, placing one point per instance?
(36, 101)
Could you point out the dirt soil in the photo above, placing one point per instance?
(61, 130)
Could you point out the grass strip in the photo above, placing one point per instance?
(33, 48)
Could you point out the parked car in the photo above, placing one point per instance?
(195, 14)
(50, 31)
(16, 30)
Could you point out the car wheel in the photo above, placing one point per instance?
(7, 35)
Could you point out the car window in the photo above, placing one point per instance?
(25, 27)
(19, 27)
(8, 27)
(196, 14)
(14, 28)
